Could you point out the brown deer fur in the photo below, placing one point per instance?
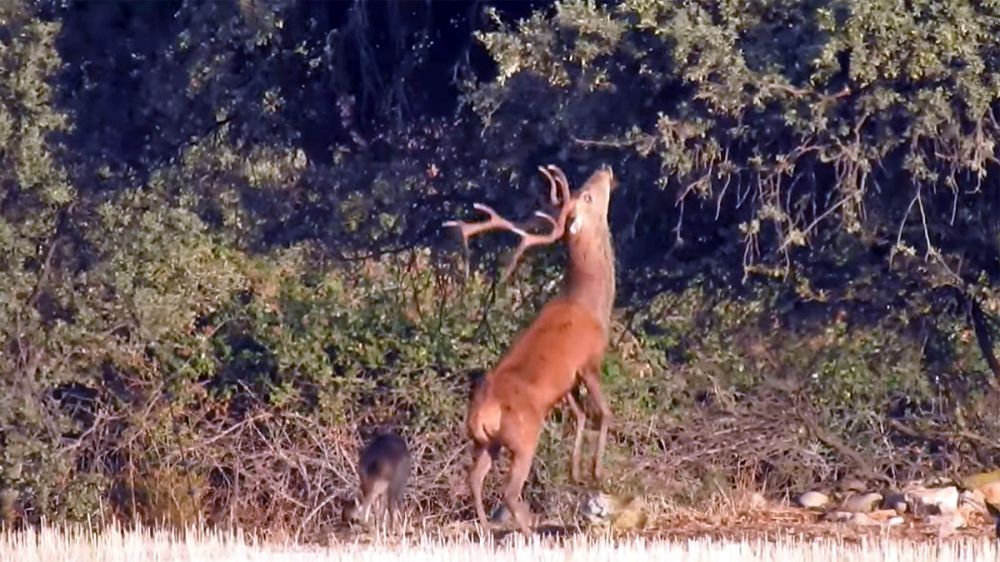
(590, 281)
(510, 405)
(512, 401)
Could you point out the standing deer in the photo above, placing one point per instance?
(589, 279)
(383, 468)
(565, 344)
(590, 282)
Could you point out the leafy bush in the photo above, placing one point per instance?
(204, 323)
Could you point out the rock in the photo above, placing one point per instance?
(947, 523)
(932, 501)
(895, 501)
(851, 485)
(972, 500)
(813, 500)
(619, 512)
(895, 520)
(861, 503)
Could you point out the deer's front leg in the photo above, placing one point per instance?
(581, 423)
(591, 377)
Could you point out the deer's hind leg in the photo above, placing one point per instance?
(521, 456)
(396, 490)
(481, 462)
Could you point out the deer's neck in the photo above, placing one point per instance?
(590, 275)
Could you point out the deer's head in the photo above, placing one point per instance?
(585, 211)
(350, 509)
(590, 202)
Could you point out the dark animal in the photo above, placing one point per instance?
(383, 468)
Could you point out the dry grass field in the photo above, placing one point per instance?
(118, 545)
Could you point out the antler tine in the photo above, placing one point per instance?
(561, 178)
(558, 224)
(495, 222)
(557, 181)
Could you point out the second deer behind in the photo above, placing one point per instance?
(383, 468)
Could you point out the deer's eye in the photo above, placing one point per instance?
(588, 198)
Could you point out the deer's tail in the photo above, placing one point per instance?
(483, 420)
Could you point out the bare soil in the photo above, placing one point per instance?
(771, 523)
(806, 524)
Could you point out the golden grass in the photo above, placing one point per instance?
(116, 545)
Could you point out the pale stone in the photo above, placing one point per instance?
(861, 503)
(972, 500)
(933, 501)
(621, 513)
(813, 499)
(757, 501)
(947, 523)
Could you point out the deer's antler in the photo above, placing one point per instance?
(559, 183)
(558, 188)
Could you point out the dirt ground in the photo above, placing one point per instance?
(770, 523)
(805, 524)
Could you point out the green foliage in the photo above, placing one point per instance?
(31, 461)
(788, 114)
(205, 327)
